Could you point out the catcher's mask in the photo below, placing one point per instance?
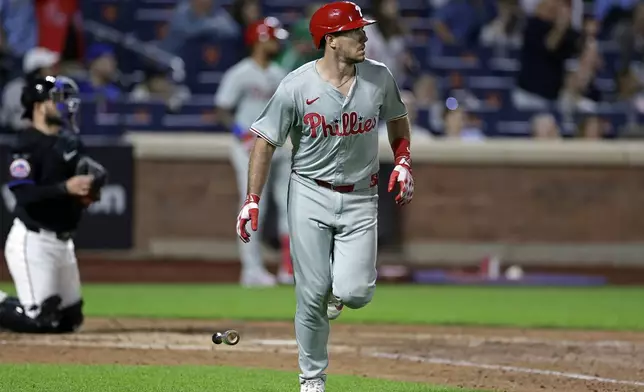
(65, 95)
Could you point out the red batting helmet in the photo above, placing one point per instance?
(264, 30)
(334, 17)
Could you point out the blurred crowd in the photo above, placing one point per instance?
(558, 45)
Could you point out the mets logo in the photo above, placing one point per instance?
(351, 124)
(20, 168)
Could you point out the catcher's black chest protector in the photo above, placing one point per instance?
(41, 160)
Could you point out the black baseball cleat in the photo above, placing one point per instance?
(50, 311)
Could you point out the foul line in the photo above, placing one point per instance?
(476, 340)
(516, 369)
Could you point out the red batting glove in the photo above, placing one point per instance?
(249, 212)
(402, 172)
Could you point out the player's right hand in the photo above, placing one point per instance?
(249, 212)
(79, 185)
(402, 175)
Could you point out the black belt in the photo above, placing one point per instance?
(61, 235)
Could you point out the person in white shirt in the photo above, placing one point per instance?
(38, 62)
(387, 39)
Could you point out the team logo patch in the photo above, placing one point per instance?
(20, 168)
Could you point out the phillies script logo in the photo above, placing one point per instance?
(351, 125)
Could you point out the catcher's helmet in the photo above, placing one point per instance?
(61, 89)
(264, 30)
(335, 17)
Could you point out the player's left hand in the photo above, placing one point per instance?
(402, 175)
(88, 166)
(249, 212)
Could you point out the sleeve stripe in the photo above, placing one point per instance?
(397, 117)
(11, 184)
(263, 136)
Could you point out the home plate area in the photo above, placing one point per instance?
(498, 359)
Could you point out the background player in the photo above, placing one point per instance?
(330, 108)
(245, 89)
(50, 198)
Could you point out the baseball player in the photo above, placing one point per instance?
(244, 90)
(330, 108)
(52, 181)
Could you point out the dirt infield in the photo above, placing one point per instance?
(494, 359)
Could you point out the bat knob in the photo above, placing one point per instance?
(231, 337)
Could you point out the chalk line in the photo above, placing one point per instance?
(515, 369)
(477, 340)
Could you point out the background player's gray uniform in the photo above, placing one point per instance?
(246, 88)
(333, 235)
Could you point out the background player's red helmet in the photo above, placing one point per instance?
(334, 17)
(264, 30)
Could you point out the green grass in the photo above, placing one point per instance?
(67, 378)
(618, 308)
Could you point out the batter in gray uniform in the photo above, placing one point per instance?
(331, 108)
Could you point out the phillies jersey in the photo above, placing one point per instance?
(246, 88)
(335, 138)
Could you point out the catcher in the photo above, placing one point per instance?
(53, 182)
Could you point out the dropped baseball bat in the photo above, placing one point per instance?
(230, 337)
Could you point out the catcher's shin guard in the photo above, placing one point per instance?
(71, 318)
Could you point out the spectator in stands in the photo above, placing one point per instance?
(458, 89)
(591, 127)
(631, 43)
(613, 13)
(548, 42)
(591, 28)
(544, 126)
(103, 69)
(459, 125)
(580, 92)
(6, 60)
(427, 96)
(507, 28)
(299, 50)
(629, 87)
(157, 86)
(418, 132)
(459, 22)
(245, 12)
(576, 11)
(18, 19)
(195, 18)
(387, 40)
(37, 62)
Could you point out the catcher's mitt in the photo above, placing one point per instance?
(88, 166)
